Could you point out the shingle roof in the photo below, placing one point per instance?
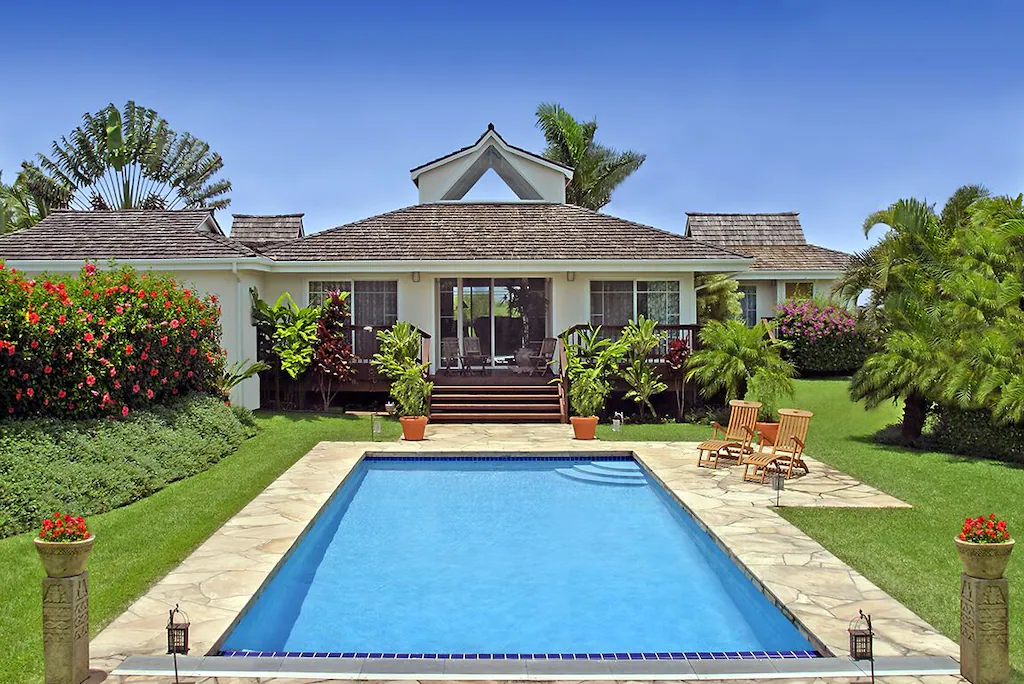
(261, 230)
(746, 229)
(123, 234)
(495, 230)
(794, 257)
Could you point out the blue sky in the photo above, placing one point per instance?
(832, 109)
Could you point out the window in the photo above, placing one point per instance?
(615, 302)
(799, 290)
(371, 303)
(658, 300)
(611, 302)
(749, 304)
(319, 289)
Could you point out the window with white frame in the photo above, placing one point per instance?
(375, 302)
(749, 304)
(615, 302)
(319, 289)
(611, 302)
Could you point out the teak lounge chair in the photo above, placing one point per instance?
(450, 355)
(732, 441)
(472, 356)
(787, 451)
(539, 361)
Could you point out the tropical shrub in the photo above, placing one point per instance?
(718, 298)
(90, 466)
(334, 359)
(976, 434)
(237, 373)
(769, 388)
(676, 358)
(103, 343)
(824, 337)
(590, 363)
(731, 354)
(638, 340)
(295, 335)
(397, 359)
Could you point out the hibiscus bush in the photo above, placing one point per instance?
(824, 337)
(103, 343)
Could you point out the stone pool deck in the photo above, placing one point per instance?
(817, 589)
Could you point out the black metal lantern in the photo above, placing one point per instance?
(177, 632)
(862, 640)
(778, 480)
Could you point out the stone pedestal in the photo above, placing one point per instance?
(984, 626)
(66, 629)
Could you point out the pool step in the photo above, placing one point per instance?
(617, 466)
(593, 474)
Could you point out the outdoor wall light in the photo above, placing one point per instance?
(415, 276)
(570, 276)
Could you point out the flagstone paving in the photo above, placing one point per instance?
(814, 587)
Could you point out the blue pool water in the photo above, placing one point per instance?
(508, 556)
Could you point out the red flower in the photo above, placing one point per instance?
(88, 337)
(47, 369)
(128, 349)
(33, 317)
(135, 388)
(163, 341)
(174, 323)
(149, 394)
(124, 410)
(61, 394)
(90, 380)
(62, 319)
(154, 372)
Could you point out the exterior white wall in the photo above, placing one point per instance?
(434, 183)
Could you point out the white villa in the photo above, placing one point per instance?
(507, 273)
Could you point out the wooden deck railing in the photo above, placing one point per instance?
(685, 331)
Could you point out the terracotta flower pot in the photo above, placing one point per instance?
(984, 561)
(769, 431)
(64, 559)
(413, 427)
(584, 427)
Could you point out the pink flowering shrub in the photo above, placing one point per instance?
(824, 337)
(103, 343)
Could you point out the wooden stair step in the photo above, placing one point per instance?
(493, 397)
(484, 408)
(549, 416)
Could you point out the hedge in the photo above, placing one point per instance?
(972, 433)
(91, 466)
(103, 343)
(824, 337)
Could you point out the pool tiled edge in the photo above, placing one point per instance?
(215, 583)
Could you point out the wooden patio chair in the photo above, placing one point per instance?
(733, 441)
(787, 451)
(472, 356)
(450, 357)
(539, 361)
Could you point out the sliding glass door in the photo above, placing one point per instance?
(505, 315)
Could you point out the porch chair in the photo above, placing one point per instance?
(472, 356)
(450, 355)
(539, 361)
(731, 442)
(787, 451)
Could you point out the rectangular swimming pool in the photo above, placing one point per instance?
(518, 555)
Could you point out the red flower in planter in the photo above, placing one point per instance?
(63, 528)
(982, 530)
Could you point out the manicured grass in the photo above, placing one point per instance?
(138, 544)
(907, 552)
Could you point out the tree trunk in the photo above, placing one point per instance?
(915, 409)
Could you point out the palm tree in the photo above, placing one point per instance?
(903, 275)
(731, 354)
(597, 170)
(133, 161)
(28, 200)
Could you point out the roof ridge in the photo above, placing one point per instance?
(743, 213)
(266, 215)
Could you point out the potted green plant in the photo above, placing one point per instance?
(410, 388)
(63, 545)
(589, 365)
(588, 390)
(984, 545)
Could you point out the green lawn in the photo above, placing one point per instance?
(907, 552)
(138, 544)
